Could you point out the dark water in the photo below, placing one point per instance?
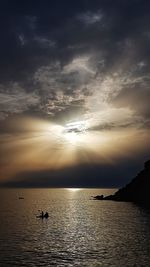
(79, 231)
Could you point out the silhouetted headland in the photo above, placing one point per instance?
(138, 190)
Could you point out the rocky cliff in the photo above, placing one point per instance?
(138, 190)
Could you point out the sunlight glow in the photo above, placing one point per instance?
(74, 131)
(72, 138)
(76, 127)
(42, 145)
(73, 189)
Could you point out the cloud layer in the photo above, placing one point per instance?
(82, 61)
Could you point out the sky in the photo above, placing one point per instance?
(74, 92)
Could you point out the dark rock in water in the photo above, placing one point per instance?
(138, 190)
(101, 197)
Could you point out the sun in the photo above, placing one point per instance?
(76, 127)
(72, 137)
(74, 131)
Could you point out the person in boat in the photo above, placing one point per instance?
(46, 215)
(42, 215)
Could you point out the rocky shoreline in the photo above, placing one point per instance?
(138, 190)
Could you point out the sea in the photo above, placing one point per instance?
(80, 231)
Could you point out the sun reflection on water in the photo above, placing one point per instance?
(73, 189)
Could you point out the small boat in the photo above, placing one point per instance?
(42, 216)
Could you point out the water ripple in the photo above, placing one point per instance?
(79, 232)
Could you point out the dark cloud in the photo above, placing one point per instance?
(36, 35)
(33, 34)
(85, 175)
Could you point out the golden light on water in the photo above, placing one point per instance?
(74, 189)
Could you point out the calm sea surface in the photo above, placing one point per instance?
(79, 231)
